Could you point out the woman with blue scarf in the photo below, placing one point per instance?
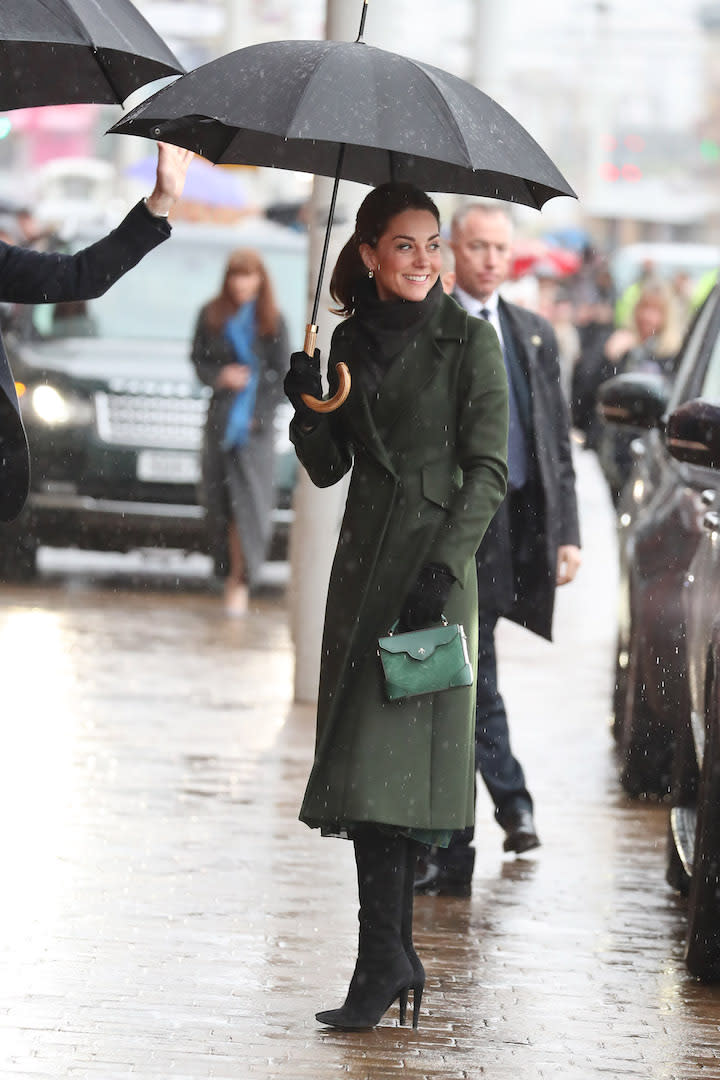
(240, 350)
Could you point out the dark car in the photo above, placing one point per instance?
(693, 436)
(113, 409)
(658, 532)
(668, 692)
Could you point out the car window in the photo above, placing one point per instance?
(700, 346)
(159, 299)
(711, 383)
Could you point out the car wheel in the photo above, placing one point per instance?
(644, 751)
(619, 696)
(675, 872)
(703, 936)
(18, 555)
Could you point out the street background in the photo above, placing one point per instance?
(165, 914)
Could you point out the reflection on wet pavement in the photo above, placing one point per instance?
(165, 915)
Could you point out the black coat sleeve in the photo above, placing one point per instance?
(35, 277)
(557, 431)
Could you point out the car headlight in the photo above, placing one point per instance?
(59, 409)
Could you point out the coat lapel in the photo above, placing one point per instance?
(372, 420)
(526, 342)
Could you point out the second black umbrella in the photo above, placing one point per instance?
(60, 52)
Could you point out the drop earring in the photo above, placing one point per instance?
(371, 274)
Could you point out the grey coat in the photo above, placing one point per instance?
(237, 484)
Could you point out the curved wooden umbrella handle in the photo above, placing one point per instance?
(318, 405)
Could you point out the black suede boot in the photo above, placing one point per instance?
(406, 929)
(382, 971)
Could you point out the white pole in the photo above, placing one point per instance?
(240, 26)
(318, 512)
(491, 22)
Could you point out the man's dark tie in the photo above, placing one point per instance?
(517, 452)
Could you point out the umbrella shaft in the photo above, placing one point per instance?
(331, 216)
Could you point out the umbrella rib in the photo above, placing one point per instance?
(77, 22)
(419, 67)
(73, 18)
(306, 88)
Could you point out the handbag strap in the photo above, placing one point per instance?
(393, 628)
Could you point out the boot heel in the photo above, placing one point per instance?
(417, 998)
(403, 998)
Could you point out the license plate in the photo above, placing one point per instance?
(168, 467)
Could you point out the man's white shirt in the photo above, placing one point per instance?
(474, 307)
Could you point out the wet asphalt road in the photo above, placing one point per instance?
(164, 915)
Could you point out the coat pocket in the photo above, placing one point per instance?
(438, 482)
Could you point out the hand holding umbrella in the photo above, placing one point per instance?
(172, 167)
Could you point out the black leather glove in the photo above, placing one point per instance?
(426, 600)
(303, 378)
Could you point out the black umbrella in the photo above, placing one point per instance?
(62, 52)
(348, 110)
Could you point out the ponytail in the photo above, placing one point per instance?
(348, 271)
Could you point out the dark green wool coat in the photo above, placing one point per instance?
(428, 455)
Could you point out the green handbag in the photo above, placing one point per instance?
(425, 661)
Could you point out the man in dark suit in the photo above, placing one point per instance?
(532, 544)
(32, 277)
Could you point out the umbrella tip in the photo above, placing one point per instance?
(359, 40)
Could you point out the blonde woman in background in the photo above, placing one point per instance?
(650, 344)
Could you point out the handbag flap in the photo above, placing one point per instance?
(420, 644)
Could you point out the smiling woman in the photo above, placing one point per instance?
(424, 429)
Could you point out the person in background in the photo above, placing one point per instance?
(33, 277)
(650, 344)
(626, 302)
(681, 292)
(240, 350)
(447, 273)
(532, 543)
(596, 323)
(568, 339)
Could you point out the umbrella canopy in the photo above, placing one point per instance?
(64, 52)
(301, 105)
(203, 183)
(348, 110)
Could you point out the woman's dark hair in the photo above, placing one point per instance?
(382, 204)
(222, 307)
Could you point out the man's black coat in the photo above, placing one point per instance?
(32, 277)
(549, 502)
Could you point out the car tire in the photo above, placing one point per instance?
(702, 954)
(643, 749)
(18, 555)
(675, 873)
(619, 695)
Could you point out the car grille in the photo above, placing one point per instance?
(175, 423)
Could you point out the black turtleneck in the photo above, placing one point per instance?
(387, 326)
